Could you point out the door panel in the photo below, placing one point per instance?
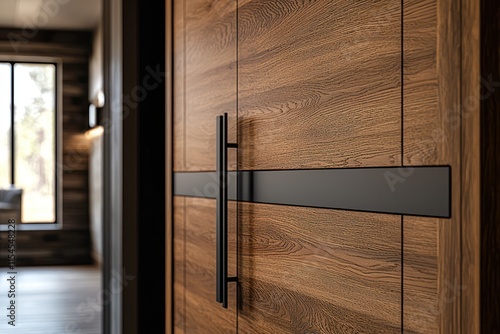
(203, 314)
(204, 85)
(178, 84)
(210, 78)
(195, 308)
(432, 130)
(305, 270)
(421, 310)
(319, 84)
(179, 265)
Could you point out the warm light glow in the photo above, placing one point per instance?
(95, 132)
(100, 99)
(92, 116)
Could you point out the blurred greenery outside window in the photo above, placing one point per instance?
(28, 137)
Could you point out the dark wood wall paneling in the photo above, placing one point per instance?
(490, 166)
(71, 245)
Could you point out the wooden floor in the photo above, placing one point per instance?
(53, 300)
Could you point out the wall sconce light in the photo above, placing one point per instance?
(92, 116)
(95, 109)
(100, 99)
(94, 129)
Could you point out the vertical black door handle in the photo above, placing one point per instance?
(222, 278)
(220, 209)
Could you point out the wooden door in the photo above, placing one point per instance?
(204, 85)
(318, 85)
(348, 84)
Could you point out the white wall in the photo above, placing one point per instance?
(96, 97)
(96, 190)
(96, 68)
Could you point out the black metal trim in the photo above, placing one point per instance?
(219, 211)
(416, 190)
(222, 197)
(12, 121)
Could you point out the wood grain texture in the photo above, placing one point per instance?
(471, 170)
(432, 132)
(319, 84)
(305, 270)
(210, 79)
(178, 85)
(179, 258)
(421, 307)
(490, 165)
(422, 124)
(203, 314)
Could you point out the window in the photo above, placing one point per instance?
(28, 137)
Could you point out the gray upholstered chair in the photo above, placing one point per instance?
(10, 204)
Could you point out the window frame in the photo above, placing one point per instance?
(58, 163)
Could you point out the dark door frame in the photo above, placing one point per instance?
(169, 263)
(112, 227)
(133, 286)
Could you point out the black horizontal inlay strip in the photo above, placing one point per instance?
(419, 191)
